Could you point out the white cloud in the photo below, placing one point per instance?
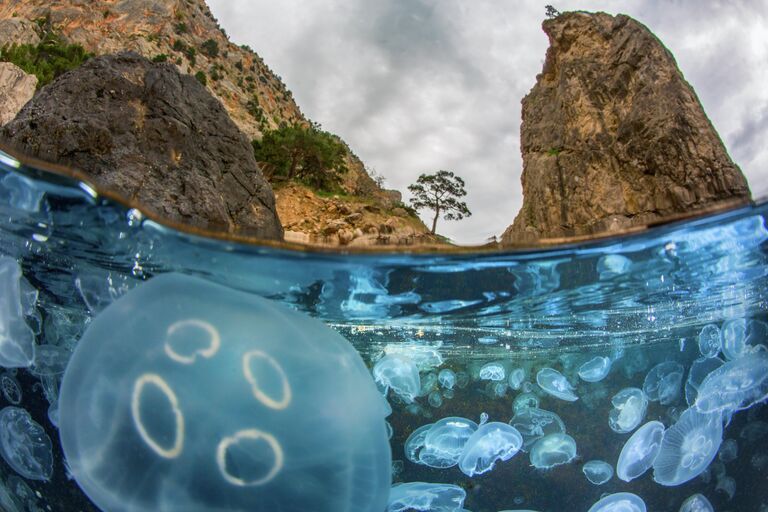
(420, 85)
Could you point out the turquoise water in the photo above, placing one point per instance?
(638, 300)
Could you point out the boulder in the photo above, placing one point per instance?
(154, 136)
(18, 31)
(16, 89)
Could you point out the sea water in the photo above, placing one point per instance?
(544, 349)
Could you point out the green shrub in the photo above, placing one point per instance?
(160, 58)
(181, 28)
(201, 77)
(210, 48)
(47, 60)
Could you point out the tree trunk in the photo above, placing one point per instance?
(434, 221)
(294, 164)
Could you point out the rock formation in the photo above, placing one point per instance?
(153, 135)
(16, 89)
(613, 136)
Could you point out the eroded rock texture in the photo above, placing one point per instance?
(613, 136)
(153, 135)
(16, 89)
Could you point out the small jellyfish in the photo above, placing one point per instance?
(534, 423)
(736, 385)
(483, 418)
(612, 265)
(726, 485)
(524, 400)
(24, 445)
(447, 378)
(629, 406)
(399, 374)
(415, 443)
(16, 338)
(448, 394)
(428, 384)
(498, 389)
(729, 451)
(516, 378)
(664, 382)
(595, 369)
(493, 371)
(555, 384)
(696, 375)
(462, 379)
(10, 388)
(445, 441)
(491, 442)
(435, 399)
(696, 503)
(597, 471)
(709, 341)
(553, 450)
(734, 338)
(640, 451)
(754, 431)
(619, 502)
(422, 497)
(688, 447)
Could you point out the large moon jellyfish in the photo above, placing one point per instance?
(188, 396)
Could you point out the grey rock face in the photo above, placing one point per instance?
(613, 136)
(154, 136)
(16, 89)
(18, 31)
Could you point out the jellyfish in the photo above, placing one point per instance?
(595, 369)
(697, 503)
(754, 431)
(184, 395)
(24, 445)
(16, 338)
(688, 447)
(493, 371)
(516, 378)
(524, 400)
(555, 384)
(696, 375)
(709, 341)
(447, 378)
(445, 442)
(425, 497)
(619, 502)
(553, 450)
(663, 382)
(534, 423)
(613, 265)
(629, 406)
(640, 451)
(491, 442)
(729, 451)
(415, 443)
(399, 374)
(734, 338)
(597, 472)
(435, 399)
(727, 485)
(426, 357)
(736, 385)
(10, 388)
(428, 384)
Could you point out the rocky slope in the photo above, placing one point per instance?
(155, 136)
(613, 136)
(184, 33)
(16, 89)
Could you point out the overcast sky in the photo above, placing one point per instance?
(420, 85)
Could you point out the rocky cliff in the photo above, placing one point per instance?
(613, 136)
(16, 89)
(153, 135)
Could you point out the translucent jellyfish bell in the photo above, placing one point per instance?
(187, 396)
(534, 423)
(516, 378)
(595, 370)
(688, 447)
(16, 338)
(423, 497)
(736, 385)
(734, 338)
(709, 341)
(400, 374)
(597, 472)
(447, 378)
(619, 502)
(555, 384)
(445, 442)
(493, 371)
(553, 450)
(415, 443)
(640, 451)
(491, 442)
(696, 375)
(664, 382)
(24, 445)
(697, 503)
(629, 406)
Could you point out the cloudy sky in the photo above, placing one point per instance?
(420, 85)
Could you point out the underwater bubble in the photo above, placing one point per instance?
(664, 382)
(754, 431)
(595, 370)
(493, 371)
(415, 443)
(696, 503)
(619, 502)
(24, 445)
(696, 375)
(273, 398)
(16, 338)
(555, 384)
(553, 450)
(425, 497)
(399, 374)
(524, 400)
(491, 442)
(629, 406)
(534, 423)
(445, 442)
(10, 388)
(447, 378)
(736, 385)
(516, 378)
(435, 399)
(688, 447)
(640, 451)
(709, 341)
(729, 451)
(613, 265)
(597, 471)
(734, 337)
